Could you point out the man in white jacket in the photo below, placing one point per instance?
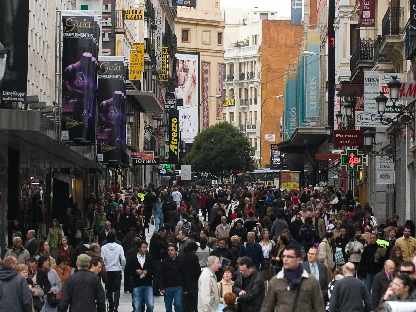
(114, 260)
(208, 294)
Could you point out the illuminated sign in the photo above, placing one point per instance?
(229, 102)
(164, 66)
(134, 14)
(352, 159)
(174, 136)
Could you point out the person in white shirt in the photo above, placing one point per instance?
(208, 293)
(114, 260)
(177, 197)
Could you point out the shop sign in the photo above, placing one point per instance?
(270, 137)
(136, 64)
(186, 3)
(352, 159)
(186, 173)
(348, 138)
(174, 136)
(134, 14)
(164, 65)
(229, 102)
(275, 158)
(367, 10)
(384, 170)
(143, 158)
(170, 101)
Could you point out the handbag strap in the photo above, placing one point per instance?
(297, 296)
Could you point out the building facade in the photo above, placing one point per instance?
(200, 30)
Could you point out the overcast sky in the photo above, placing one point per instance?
(281, 6)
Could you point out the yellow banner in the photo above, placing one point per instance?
(229, 102)
(136, 59)
(135, 73)
(134, 14)
(164, 66)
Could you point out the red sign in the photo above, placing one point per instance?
(367, 10)
(327, 156)
(148, 155)
(348, 138)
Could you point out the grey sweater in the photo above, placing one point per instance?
(350, 295)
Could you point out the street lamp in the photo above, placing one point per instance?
(381, 101)
(394, 87)
(369, 137)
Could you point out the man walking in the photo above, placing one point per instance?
(382, 281)
(318, 270)
(83, 290)
(18, 251)
(350, 294)
(208, 294)
(249, 286)
(114, 260)
(139, 272)
(407, 244)
(171, 280)
(15, 295)
(293, 289)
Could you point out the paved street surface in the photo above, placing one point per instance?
(125, 300)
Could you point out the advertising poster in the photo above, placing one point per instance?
(205, 94)
(312, 81)
(221, 90)
(290, 180)
(384, 170)
(14, 23)
(275, 159)
(174, 139)
(291, 111)
(79, 78)
(367, 11)
(111, 109)
(186, 172)
(187, 71)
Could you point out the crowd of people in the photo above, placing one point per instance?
(227, 248)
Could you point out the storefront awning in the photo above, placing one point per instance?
(147, 100)
(305, 138)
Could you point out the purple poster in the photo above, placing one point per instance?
(79, 78)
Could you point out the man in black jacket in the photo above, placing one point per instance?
(83, 290)
(139, 272)
(190, 262)
(171, 280)
(382, 281)
(249, 286)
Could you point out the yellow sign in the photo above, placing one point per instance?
(136, 59)
(134, 14)
(164, 66)
(173, 140)
(229, 102)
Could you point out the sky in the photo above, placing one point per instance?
(281, 6)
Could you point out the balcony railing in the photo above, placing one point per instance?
(242, 76)
(363, 55)
(243, 102)
(391, 22)
(410, 42)
(230, 78)
(250, 75)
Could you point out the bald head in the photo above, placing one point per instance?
(389, 266)
(348, 269)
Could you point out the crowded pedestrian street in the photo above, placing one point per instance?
(207, 155)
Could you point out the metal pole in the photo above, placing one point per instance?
(331, 63)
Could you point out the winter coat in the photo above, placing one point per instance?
(208, 294)
(325, 254)
(15, 295)
(254, 288)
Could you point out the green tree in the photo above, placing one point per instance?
(221, 149)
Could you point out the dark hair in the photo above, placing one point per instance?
(173, 246)
(140, 243)
(95, 261)
(247, 261)
(408, 264)
(228, 269)
(296, 249)
(111, 237)
(407, 281)
(60, 259)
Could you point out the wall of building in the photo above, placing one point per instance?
(274, 66)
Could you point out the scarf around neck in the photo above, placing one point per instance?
(294, 277)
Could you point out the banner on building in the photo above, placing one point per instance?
(111, 119)
(14, 24)
(220, 91)
(164, 65)
(290, 180)
(312, 81)
(186, 172)
(296, 12)
(136, 61)
(348, 138)
(174, 136)
(144, 158)
(186, 3)
(187, 71)
(205, 72)
(384, 170)
(291, 107)
(275, 159)
(79, 78)
(367, 12)
(134, 14)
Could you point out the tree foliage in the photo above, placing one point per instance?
(220, 150)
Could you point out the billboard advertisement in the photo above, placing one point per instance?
(220, 90)
(174, 138)
(205, 93)
(79, 78)
(291, 110)
(312, 81)
(187, 91)
(14, 23)
(290, 180)
(111, 109)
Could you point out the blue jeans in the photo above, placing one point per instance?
(173, 294)
(158, 216)
(143, 295)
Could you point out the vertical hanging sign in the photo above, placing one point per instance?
(174, 136)
(164, 66)
(136, 61)
(205, 66)
(367, 10)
